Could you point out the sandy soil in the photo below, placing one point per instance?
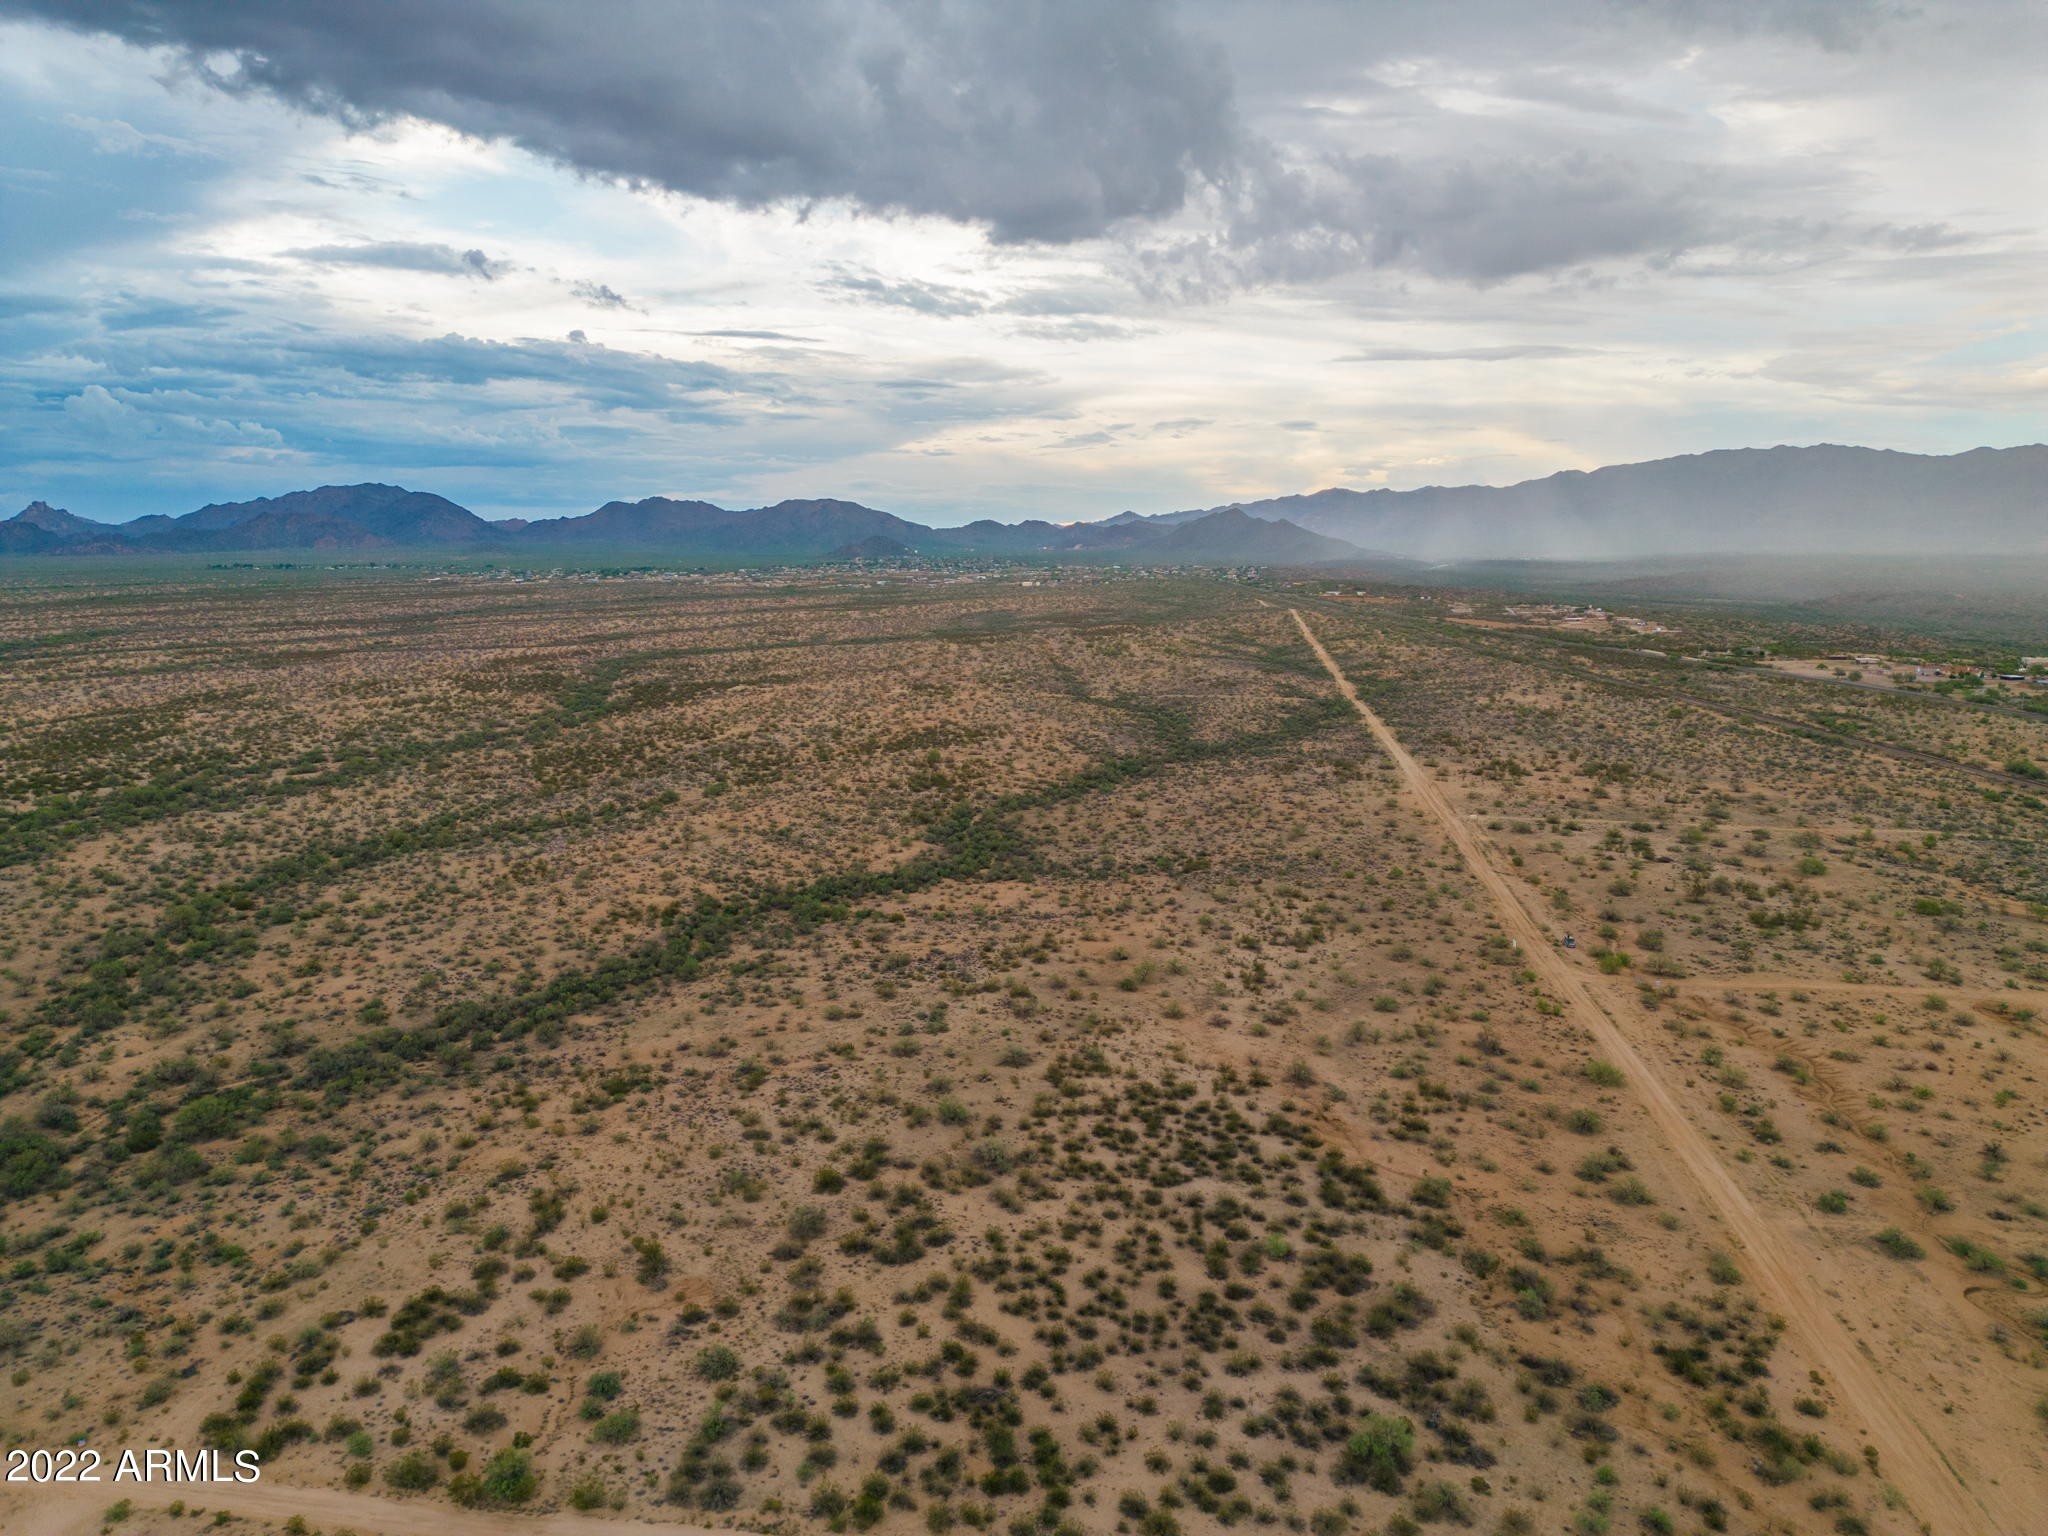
(1922, 1469)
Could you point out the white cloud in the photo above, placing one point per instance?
(126, 430)
(112, 136)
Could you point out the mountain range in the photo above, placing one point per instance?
(1820, 500)
(1826, 499)
(369, 518)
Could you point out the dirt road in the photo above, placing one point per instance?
(1750, 983)
(77, 1511)
(1910, 1458)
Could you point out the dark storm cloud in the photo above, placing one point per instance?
(1042, 119)
(404, 256)
(1473, 221)
(1045, 120)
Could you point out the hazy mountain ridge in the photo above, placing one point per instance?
(1823, 500)
(1811, 500)
(373, 517)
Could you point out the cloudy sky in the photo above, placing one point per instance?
(1027, 258)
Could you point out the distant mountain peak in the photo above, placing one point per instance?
(40, 514)
(390, 513)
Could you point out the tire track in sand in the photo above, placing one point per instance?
(80, 1510)
(1912, 1461)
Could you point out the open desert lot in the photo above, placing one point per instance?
(588, 1055)
(1023, 769)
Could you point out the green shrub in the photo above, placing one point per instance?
(413, 1472)
(1980, 1259)
(1432, 1191)
(1380, 1454)
(1440, 1501)
(652, 1268)
(29, 1160)
(717, 1363)
(509, 1478)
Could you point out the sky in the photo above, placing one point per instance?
(1036, 258)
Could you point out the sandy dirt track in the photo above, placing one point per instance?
(1912, 1461)
(77, 1511)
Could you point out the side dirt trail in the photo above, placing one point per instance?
(1912, 1461)
(80, 1511)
